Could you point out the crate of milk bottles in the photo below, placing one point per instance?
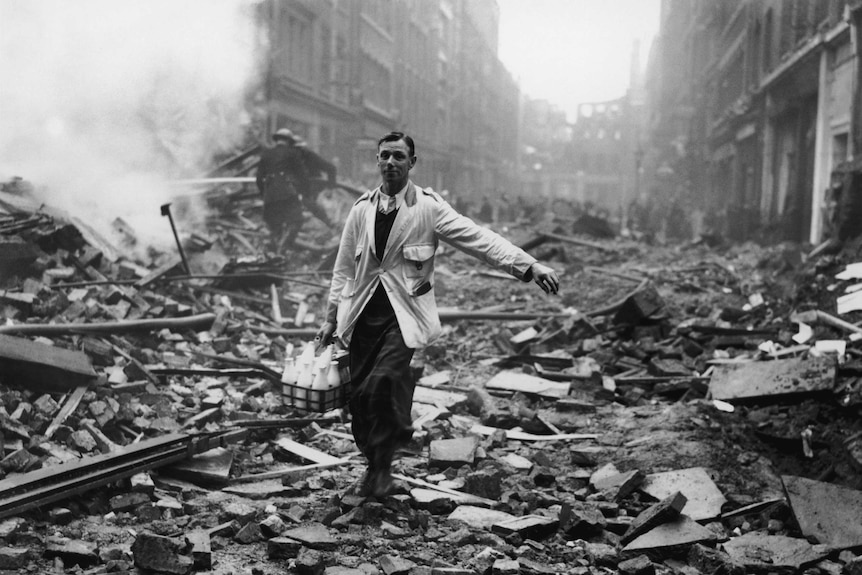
(316, 383)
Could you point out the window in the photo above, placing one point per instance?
(768, 35)
(299, 48)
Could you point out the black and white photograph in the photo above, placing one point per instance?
(431, 287)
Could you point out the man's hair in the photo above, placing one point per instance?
(395, 136)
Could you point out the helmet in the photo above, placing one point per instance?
(283, 133)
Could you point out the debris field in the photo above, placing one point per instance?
(676, 409)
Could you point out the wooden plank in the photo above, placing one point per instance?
(68, 408)
(306, 452)
(290, 471)
(460, 496)
(41, 367)
(172, 264)
(523, 436)
(777, 378)
(517, 381)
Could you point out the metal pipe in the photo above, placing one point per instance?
(166, 211)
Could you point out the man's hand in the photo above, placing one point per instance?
(324, 336)
(546, 278)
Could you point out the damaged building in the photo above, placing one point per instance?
(752, 112)
(339, 74)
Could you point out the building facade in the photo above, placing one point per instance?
(750, 112)
(341, 73)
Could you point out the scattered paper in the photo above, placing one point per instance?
(722, 406)
(827, 346)
(851, 272)
(805, 333)
(849, 302)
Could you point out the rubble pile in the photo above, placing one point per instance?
(676, 410)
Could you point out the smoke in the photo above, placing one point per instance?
(104, 101)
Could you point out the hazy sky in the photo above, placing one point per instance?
(574, 51)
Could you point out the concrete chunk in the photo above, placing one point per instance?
(313, 535)
(453, 452)
(704, 498)
(73, 551)
(479, 517)
(165, 554)
(505, 567)
(535, 527)
(13, 558)
(777, 378)
(127, 501)
(310, 562)
(583, 521)
(665, 510)
(282, 548)
(680, 532)
(640, 565)
(201, 549)
(829, 513)
(621, 485)
(760, 551)
(392, 565)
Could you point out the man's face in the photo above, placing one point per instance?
(394, 161)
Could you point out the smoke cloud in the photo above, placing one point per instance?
(104, 101)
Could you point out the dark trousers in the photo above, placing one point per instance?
(282, 208)
(382, 397)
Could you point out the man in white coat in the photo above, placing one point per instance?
(381, 302)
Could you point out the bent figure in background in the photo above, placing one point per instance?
(279, 174)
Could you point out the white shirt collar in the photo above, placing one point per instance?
(383, 199)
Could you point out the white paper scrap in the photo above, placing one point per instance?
(805, 333)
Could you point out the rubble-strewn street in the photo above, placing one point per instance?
(676, 409)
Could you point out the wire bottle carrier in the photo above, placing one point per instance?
(311, 398)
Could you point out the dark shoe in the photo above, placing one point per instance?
(383, 484)
(366, 484)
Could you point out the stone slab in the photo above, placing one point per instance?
(778, 378)
(517, 461)
(682, 531)
(525, 383)
(704, 498)
(761, 551)
(453, 452)
(447, 399)
(527, 526)
(665, 510)
(830, 513)
(479, 517)
(209, 467)
(40, 367)
(314, 535)
(263, 489)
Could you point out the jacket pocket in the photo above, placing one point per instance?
(418, 260)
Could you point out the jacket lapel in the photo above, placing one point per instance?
(402, 220)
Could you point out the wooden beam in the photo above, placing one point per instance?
(200, 321)
(68, 408)
(42, 367)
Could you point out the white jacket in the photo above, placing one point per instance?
(407, 269)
